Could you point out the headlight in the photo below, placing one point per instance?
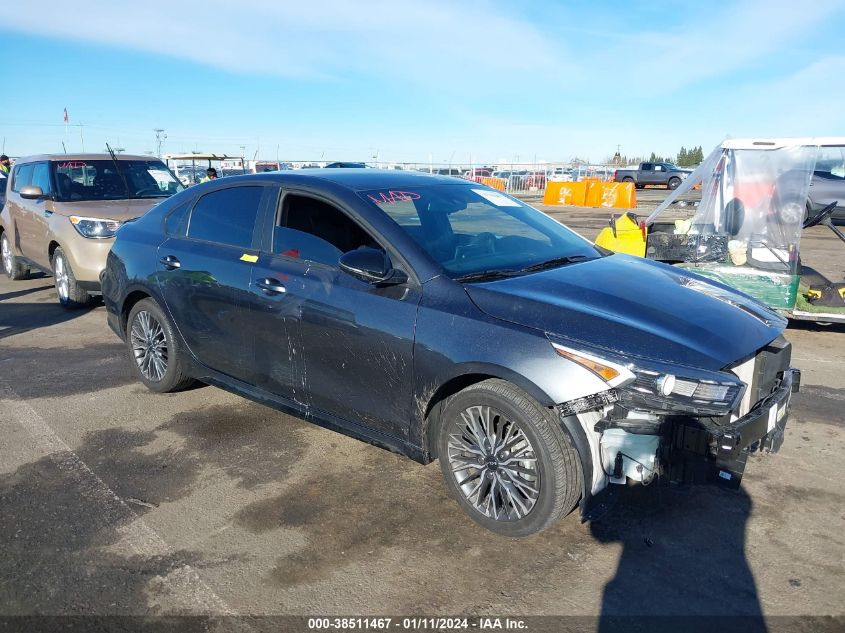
(94, 228)
(658, 387)
(656, 391)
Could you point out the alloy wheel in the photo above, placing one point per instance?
(494, 464)
(149, 346)
(60, 272)
(7, 255)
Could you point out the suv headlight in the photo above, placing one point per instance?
(94, 228)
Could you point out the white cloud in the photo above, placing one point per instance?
(434, 39)
(712, 40)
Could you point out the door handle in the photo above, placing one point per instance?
(271, 286)
(47, 213)
(171, 262)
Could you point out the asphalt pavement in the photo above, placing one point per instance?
(118, 501)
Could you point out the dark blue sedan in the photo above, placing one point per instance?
(442, 319)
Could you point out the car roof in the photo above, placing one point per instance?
(74, 157)
(363, 179)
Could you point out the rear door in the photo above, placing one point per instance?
(646, 174)
(350, 343)
(204, 277)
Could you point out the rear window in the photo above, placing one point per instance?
(226, 216)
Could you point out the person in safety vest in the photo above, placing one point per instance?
(210, 174)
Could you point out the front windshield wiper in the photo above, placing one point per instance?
(488, 275)
(554, 263)
(117, 167)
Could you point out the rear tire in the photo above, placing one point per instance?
(674, 183)
(507, 460)
(154, 349)
(14, 269)
(71, 296)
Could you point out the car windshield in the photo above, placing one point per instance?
(473, 231)
(80, 180)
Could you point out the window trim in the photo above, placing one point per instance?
(255, 240)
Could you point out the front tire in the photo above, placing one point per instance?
(507, 460)
(71, 296)
(674, 183)
(13, 268)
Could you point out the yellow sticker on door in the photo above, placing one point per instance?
(246, 257)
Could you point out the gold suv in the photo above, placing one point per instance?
(62, 212)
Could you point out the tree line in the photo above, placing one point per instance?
(685, 158)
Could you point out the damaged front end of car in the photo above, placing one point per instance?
(681, 424)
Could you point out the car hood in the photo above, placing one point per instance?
(107, 209)
(635, 307)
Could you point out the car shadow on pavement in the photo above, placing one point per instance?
(22, 293)
(683, 556)
(18, 318)
(812, 326)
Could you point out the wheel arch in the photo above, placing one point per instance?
(462, 377)
(129, 301)
(51, 248)
(467, 375)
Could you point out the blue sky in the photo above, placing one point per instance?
(416, 80)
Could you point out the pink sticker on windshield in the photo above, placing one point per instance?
(392, 197)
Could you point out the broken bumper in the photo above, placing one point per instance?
(726, 447)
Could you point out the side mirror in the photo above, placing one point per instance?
(372, 266)
(32, 193)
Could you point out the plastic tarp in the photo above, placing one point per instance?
(753, 200)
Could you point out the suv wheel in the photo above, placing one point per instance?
(674, 182)
(11, 266)
(507, 460)
(71, 296)
(156, 356)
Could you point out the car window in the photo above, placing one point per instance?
(22, 176)
(41, 177)
(646, 167)
(226, 216)
(316, 231)
(831, 160)
(176, 222)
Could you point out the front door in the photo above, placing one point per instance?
(204, 278)
(351, 342)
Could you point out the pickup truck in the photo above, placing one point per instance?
(652, 174)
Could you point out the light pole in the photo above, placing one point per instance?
(160, 138)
